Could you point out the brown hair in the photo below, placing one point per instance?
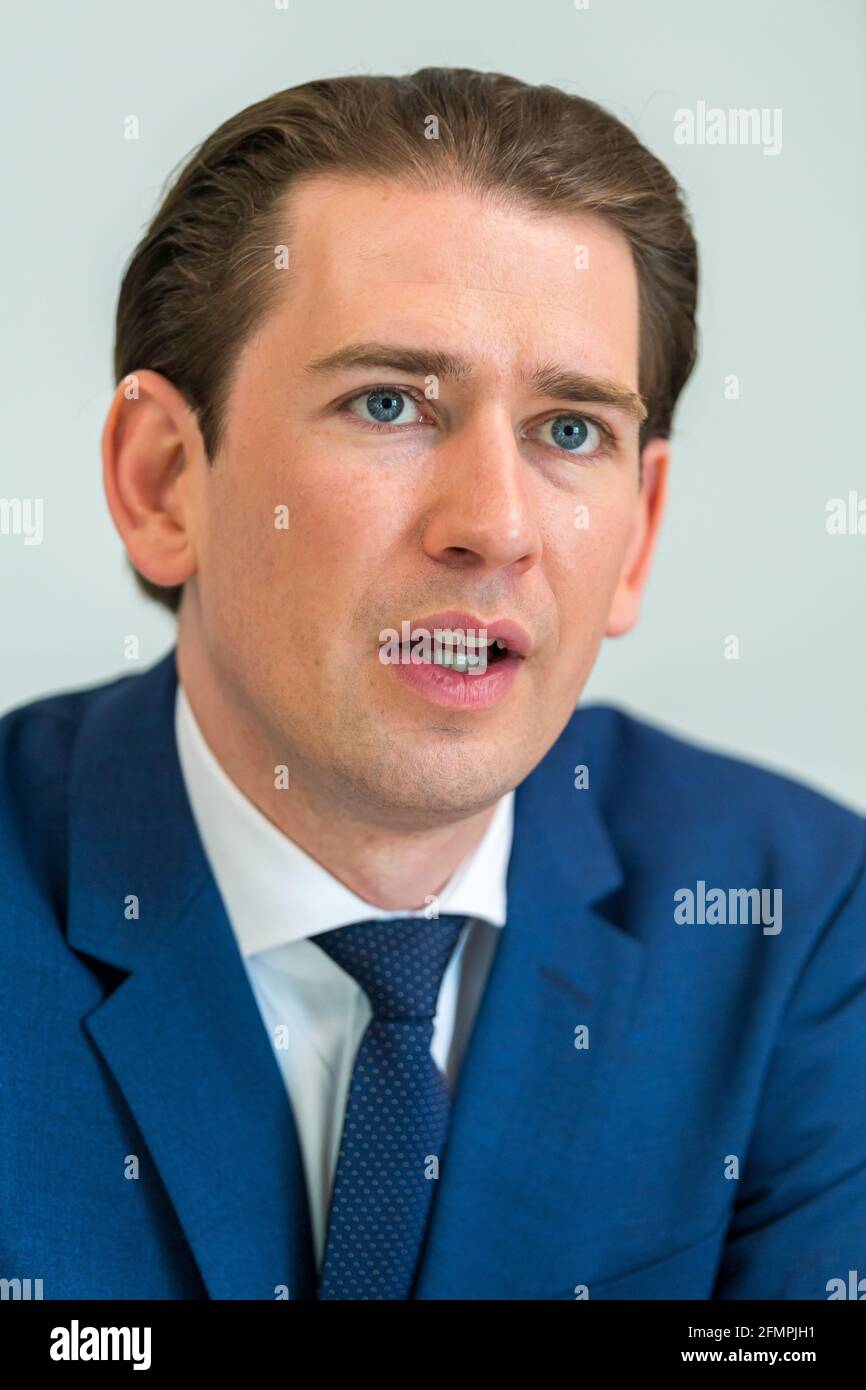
(199, 282)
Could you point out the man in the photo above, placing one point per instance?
(343, 957)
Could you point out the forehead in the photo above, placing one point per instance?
(502, 284)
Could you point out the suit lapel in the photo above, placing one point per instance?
(515, 1195)
(182, 1034)
(185, 1044)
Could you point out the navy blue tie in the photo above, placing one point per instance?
(396, 1116)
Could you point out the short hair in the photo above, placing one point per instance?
(201, 280)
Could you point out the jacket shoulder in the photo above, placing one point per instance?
(655, 787)
(629, 744)
(36, 737)
(36, 743)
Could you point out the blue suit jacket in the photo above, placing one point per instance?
(609, 1170)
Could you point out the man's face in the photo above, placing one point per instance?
(485, 495)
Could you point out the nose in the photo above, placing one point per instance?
(483, 515)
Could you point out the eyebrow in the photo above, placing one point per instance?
(547, 379)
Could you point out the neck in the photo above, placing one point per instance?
(392, 868)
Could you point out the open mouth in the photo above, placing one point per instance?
(455, 658)
(468, 656)
(468, 651)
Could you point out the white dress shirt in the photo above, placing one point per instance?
(275, 896)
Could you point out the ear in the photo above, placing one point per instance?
(151, 443)
(625, 608)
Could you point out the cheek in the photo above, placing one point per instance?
(589, 543)
(294, 543)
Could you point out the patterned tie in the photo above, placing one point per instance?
(396, 1115)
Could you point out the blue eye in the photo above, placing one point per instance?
(385, 406)
(391, 409)
(572, 432)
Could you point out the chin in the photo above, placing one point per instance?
(436, 789)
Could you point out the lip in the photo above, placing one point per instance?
(479, 690)
(507, 630)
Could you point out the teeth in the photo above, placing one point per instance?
(455, 660)
(464, 654)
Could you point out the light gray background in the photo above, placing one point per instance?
(744, 549)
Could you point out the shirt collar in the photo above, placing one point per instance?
(275, 893)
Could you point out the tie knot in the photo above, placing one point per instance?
(399, 963)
